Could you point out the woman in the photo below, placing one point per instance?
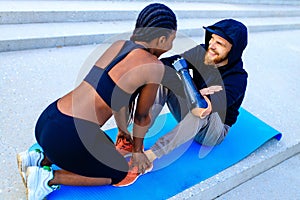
(68, 129)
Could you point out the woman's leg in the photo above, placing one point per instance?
(78, 146)
(41, 181)
(46, 161)
(63, 177)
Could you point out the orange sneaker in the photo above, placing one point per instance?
(131, 177)
(124, 146)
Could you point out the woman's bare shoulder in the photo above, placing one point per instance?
(145, 57)
(109, 53)
(117, 44)
(150, 65)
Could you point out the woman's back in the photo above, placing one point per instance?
(138, 68)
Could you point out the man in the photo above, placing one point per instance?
(216, 65)
(217, 71)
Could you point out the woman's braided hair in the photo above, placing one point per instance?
(154, 21)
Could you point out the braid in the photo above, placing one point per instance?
(154, 21)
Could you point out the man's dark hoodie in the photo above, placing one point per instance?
(232, 77)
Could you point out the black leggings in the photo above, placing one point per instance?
(79, 146)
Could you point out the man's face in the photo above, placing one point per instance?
(217, 52)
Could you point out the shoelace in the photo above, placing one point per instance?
(123, 143)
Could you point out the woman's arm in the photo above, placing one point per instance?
(141, 125)
(122, 119)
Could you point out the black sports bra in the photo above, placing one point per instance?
(98, 77)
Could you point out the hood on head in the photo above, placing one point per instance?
(234, 32)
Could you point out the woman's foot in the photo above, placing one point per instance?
(124, 146)
(38, 182)
(132, 176)
(29, 158)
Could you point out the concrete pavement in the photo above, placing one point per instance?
(280, 182)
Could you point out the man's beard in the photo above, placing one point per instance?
(213, 61)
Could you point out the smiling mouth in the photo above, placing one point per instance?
(211, 52)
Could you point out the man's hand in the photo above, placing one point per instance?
(208, 110)
(200, 112)
(140, 160)
(210, 90)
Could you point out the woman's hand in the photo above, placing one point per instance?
(140, 160)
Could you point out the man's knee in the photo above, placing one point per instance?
(209, 140)
(213, 133)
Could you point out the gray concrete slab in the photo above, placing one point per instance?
(16, 12)
(44, 24)
(45, 35)
(27, 5)
(266, 2)
(30, 80)
(280, 182)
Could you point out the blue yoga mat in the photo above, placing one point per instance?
(184, 167)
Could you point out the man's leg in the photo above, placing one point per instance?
(177, 106)
(160, 100)
(214, 132)
(209, 131)
(184, 131)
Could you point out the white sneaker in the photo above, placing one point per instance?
(29, 158)
(37, 182)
